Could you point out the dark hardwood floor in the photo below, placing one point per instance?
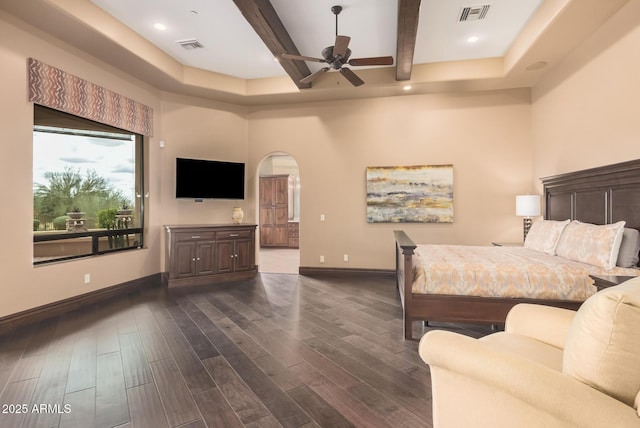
(279, 350)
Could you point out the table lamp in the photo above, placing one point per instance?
(527, 206)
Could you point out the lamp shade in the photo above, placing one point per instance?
(527, 205)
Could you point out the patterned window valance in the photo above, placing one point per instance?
(54, 88)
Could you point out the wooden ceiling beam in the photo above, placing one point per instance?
(408, 15)
(267, 24)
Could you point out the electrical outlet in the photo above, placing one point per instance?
(87, 278)
(321, 259)
(322, 217)
(346, 257)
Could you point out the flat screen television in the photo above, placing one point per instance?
(209, 179)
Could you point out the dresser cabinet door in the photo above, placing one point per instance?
(243, 256)
(225, 256)
(205, 258)
(184, 262)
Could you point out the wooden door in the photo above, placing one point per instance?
(205, 258)
(267, 226)
(274, 211)
(267, 191)
(280, 230)
(184, 260)
(267, 212)
(225, 256)
(243, 255)
(281, 206)
(281, 191)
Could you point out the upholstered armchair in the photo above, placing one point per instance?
(551, 367)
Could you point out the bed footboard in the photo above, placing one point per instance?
(405, 248)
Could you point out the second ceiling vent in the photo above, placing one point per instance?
(473, 13)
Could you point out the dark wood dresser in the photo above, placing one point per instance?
(203, 254)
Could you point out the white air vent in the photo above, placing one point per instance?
(473, 13)
(190, 44)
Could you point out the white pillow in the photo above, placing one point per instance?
(544, 235)
(589, 243)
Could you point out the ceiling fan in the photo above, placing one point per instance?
(337, 56)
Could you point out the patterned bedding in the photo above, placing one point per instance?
(503, 272)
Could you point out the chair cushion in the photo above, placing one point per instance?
(603, 346)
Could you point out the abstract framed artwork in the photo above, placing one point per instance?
(410, 194)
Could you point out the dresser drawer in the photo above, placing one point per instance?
(293, 230)
(232, 234)
(194, 236)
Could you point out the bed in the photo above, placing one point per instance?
(599, 196)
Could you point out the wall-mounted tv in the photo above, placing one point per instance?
(209, 179)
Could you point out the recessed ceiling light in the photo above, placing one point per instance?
(159, 26)
(406, 88)
(473, 39)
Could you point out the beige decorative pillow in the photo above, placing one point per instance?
(544, 235)
(589, 243)
(603, 345)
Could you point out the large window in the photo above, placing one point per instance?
(87, 187)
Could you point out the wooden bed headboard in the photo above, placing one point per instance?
(601, 195)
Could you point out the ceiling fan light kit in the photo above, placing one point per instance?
(337, 56)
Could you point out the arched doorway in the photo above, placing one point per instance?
(279, 214)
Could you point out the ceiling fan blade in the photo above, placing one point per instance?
(341, 45)
(377, 60)
(310, 78)
(301, 58)
(351, 77)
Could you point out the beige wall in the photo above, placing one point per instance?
(194, 128)
(24, 286)
(585, 113)
(189, 127)
(486, 136)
